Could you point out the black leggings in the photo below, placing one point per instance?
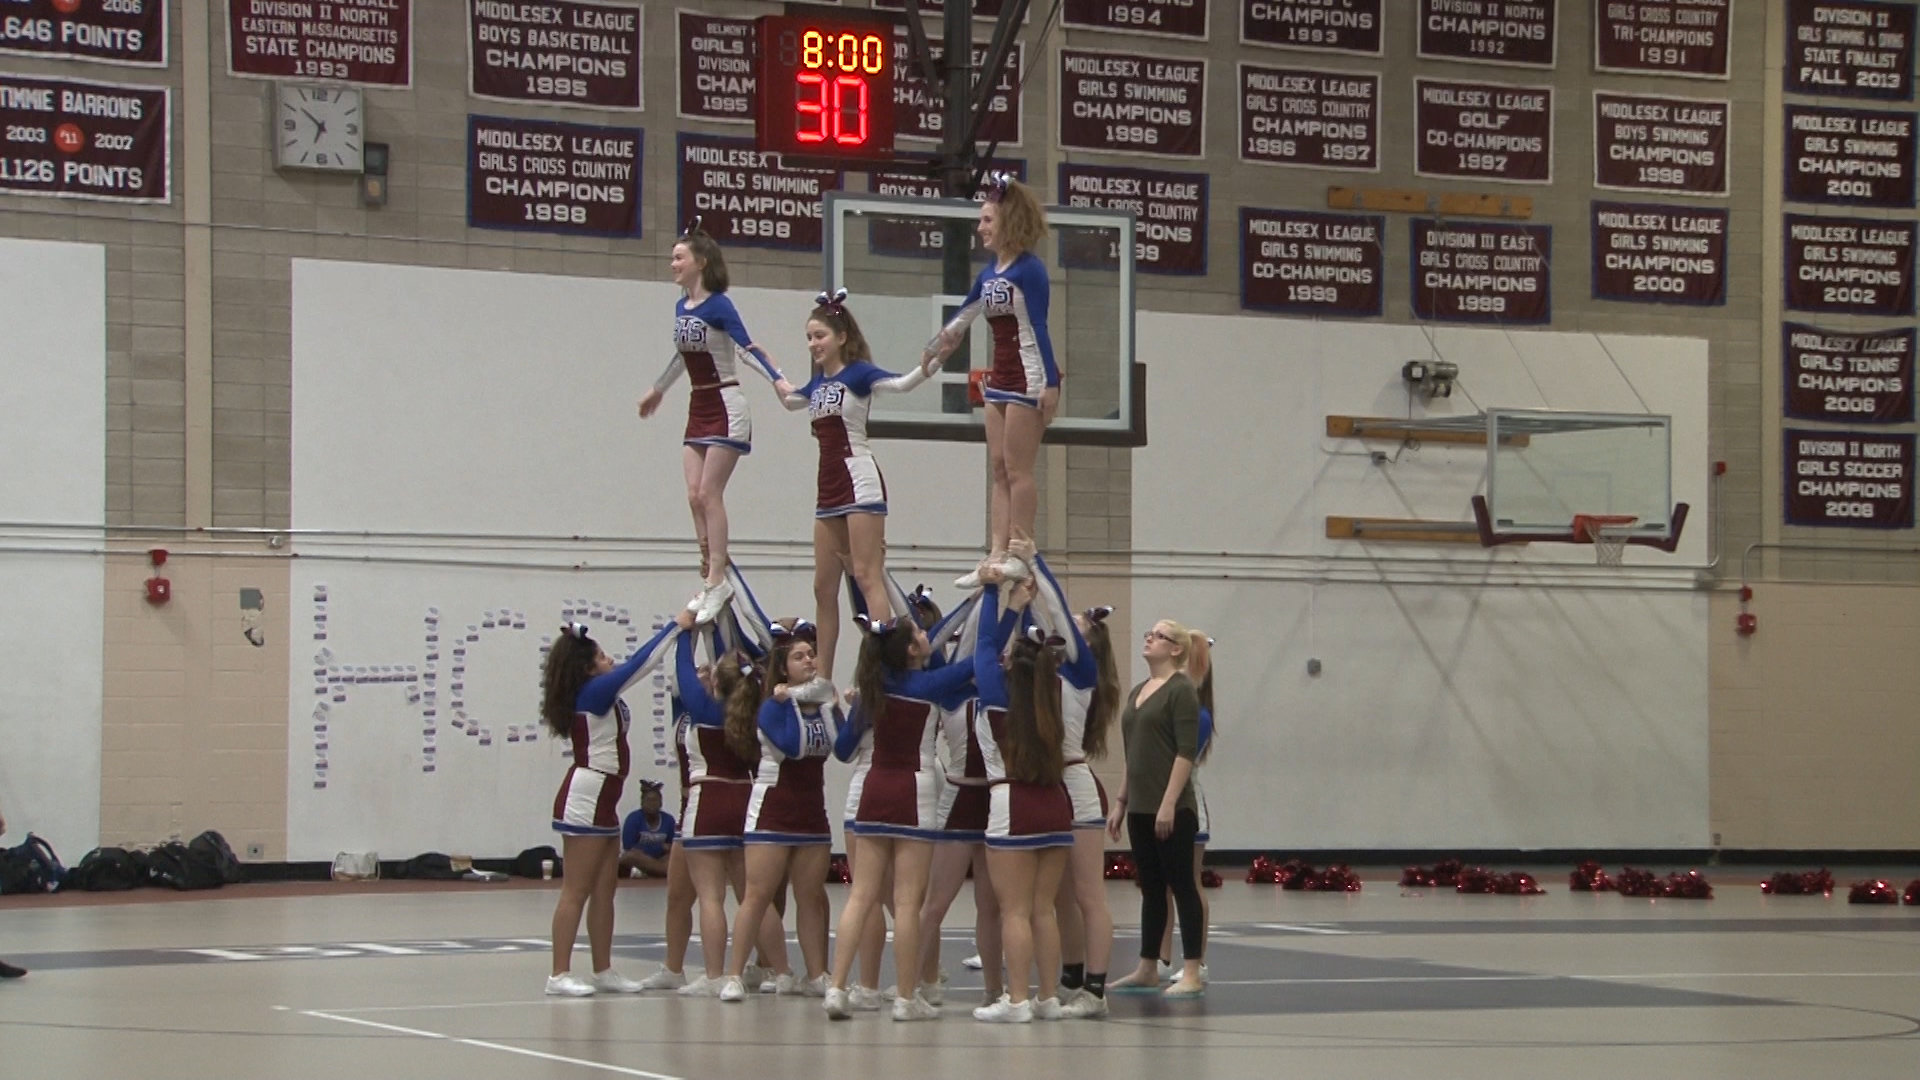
(1161, 865)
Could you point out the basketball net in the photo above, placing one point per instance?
(1607, 533)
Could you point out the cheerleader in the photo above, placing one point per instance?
(850, 514)
(707, 335)
(1090, 694)
(1030, 824)
(902, 686)
(1023, 387)
(788, 837)
(580, 690)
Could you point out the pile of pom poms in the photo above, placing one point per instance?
(1883, 892)
(1471, 880)
(1589, 877)
(1809, 883)
(1296, 876)
(839, 871)
(1210, 878)
(1119, 866)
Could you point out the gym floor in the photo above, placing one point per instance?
(329, 981)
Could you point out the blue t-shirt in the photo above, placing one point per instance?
(654, 841)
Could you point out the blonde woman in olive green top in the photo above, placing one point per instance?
(1161, 725)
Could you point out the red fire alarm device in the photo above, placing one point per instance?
(159, 589)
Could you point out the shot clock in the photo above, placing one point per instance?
(826, 87)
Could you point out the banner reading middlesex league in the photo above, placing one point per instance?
(1850, 48)
(1677, 145)
(1846, 377)
(1170, 208)
(1651, 254)
(558, 52)
(1664, 37)
(83, 140)
(744, 197)
(1483, 131)
(1851, 266)
(1848, 478)
(1517, 32)
(1349, 26)
(1473, 272)
(1132, 103)
(922, 238)
(355, 41)
(716, 77)
(917, 110)
(1312, 263)
(553, 177)
(1864, 157)
(110, 31)
(1312, 119)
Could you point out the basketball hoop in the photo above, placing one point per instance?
(1607, 533)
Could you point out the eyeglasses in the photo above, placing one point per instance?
(1156, 633)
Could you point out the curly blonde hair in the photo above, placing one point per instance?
(1023, 222)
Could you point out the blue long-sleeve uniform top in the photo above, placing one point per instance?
(990, 681)
(702, 708)
(601, 691)
(1081, 670)
(787, 730)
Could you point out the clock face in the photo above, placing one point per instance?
(319, 127)
(826, 89)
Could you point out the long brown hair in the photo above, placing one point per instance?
(739, 686)
(830, 311)
(568, 668)
(706, 251)
(1035, 729)
(1023, 223)
(1106, 690)
(883, 649)
(1200, 651)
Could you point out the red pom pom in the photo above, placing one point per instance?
(1872, 892)
(1913, 892)
(1119, 866)
(1688, 886)
(1811, 883)
(1339, 878)
(1209, 879)
(1296, 876)
(1444, 874)
(1589, 877)
(1632, 882)
(838, 870)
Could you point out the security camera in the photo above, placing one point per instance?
(1433, 378)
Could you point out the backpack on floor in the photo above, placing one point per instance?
(108, 869)
(527, 863)
(176, 866)
(433, 866)
(31, 868)
(213, 848)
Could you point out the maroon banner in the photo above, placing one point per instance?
(1650, 254)
(745, 197)
(1170, 208)
(1861, 157)
(1351, 26)
(1475, 272)
(1165, 18)
(545, 176)
(917, 110)
(1312, 119)
(1314, 264)
(1664, 37)
(110, 31)
(982, 9)
(921, 238)
(1850, 48)
(715, 74)
(1130, 103)
(1517, 32)
(1851, 266)
(1484, 131)
(84, 140)
(354, 41)
(555, 52)
(1848, 479)
(1677, 145)
(1847, 377)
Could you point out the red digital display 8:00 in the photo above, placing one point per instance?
(826, 90)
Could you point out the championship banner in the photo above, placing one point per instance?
(1309, 263)
(923, 238)
(84, 140)
(1310, 119)
(1170, 208)
(917, 109)
(1687, 38)
(1514, 32)
(555, 52)
(1651, 254)
(745, 197)
(1848, 479)
(544, 176)
(1483, 273)
(1850, 48)
(1160, 18)
(1858, 157)
(1132, 103)
(1849, 266)
(1848, 377)
(1673, 145)
(354, 41)
(982, 9)
(132, 32)
(1351, 26)
(1483, 131)
(715, 71)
